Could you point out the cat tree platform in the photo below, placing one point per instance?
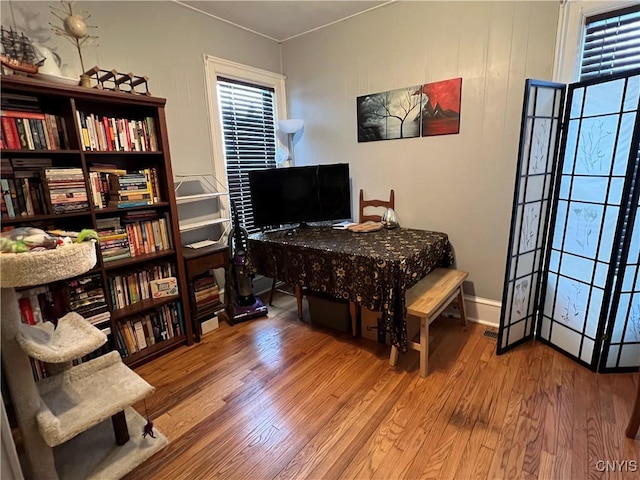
(46, 266)
(93, 455)
(81, 397)
(72, 338)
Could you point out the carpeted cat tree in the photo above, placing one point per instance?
(64, 419)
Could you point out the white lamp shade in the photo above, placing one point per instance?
(291, 125)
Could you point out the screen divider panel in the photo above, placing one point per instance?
(539, 139)
(621, 350)
(592, 195)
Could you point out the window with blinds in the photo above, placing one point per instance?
(248, 126)
(611, 43)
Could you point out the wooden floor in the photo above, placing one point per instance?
(276, 398)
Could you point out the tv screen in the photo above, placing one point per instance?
(300, 194)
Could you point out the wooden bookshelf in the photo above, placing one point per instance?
(69, 105)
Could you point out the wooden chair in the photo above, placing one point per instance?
(374, 203)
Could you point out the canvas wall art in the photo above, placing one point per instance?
(422, 110)
(441, 107)
(389, 115)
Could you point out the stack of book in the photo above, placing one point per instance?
(115, 187)
(24, 194)
(114, 243)
(147, 233)
(102, 133)
(86, 298)
(132, 189)
(207, 294)
(133, 287)
(67, 191)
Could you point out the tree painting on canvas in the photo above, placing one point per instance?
(389, 115)
(441, 107)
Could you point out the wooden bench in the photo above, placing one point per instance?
(426, 300)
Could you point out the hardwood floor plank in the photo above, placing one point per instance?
(362, 426)
(452, 419)
(300, 421)
(277, 398)
(485, 399)
(547, 461)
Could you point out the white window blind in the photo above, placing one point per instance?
(248, 125)
(611, 43)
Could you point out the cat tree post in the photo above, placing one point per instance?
(24, 394)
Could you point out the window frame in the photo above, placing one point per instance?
(570, 32)
(215, 67)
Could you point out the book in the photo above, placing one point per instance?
(26, 311)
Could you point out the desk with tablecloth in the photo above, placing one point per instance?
(372, 270)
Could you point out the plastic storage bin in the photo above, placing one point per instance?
(329, 311)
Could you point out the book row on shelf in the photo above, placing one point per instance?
(102, 133)
(86, 298)
(120, 188)
(136, 233)
(33, 187)
(33, 131)
(142, 331)
(135, 285)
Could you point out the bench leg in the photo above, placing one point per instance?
(461, 307)
(393, 358)
(424, 346)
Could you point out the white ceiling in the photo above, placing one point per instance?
(282, 20)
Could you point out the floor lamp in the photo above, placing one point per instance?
(290, 127)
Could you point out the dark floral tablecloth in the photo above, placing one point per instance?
(371, 269)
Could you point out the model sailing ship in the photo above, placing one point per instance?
(18, 52)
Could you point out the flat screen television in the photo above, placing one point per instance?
(315, 193)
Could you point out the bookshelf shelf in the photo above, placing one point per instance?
(120, 152)
(188, 226)
(30, 153)
(145, 257)
(154, 351)
(40, 218)
(142, 306)
(112, 210)
(143, 127)
(198, 197)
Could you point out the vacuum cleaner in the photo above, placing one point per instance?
(244, 304)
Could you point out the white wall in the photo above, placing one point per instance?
(164, 41)
(460, 184)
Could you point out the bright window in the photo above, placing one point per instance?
(611, 43)
(245, 105)
(248, 127)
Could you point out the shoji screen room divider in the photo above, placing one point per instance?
(572, 273)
